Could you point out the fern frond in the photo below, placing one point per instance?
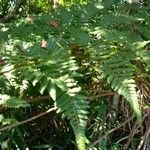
(119, 74)
(75, 109)
(115, 20)
(13, 102)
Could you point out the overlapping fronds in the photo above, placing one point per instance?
(48, 56)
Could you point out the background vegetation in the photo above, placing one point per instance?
(75, 74)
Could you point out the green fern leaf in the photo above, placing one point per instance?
(13, 102)
(119, 76)
(61, 84)
(75, 109)
(44, 84)
(37, 79)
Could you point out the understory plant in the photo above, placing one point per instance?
(59, 56)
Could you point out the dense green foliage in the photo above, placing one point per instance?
(60, 55)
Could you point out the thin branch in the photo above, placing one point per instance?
(112, 130)
(141, 143)
(124, 138)
(147, 135)
(102, 95)
(30, 100)
(132, 133)
(27, 120)
(33, 99)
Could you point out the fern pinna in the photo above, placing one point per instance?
(110, 38)
(52, 72)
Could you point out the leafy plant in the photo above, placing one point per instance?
(55, 54)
